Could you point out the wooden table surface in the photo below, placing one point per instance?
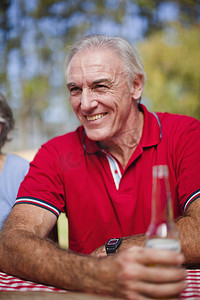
(51, 296)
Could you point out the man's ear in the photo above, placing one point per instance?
(137, 87)
(0, 127)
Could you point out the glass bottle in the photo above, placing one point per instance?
(162, 232)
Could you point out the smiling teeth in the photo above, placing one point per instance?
(95, 117)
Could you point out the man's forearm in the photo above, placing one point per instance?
(188, 234)
(134, 240)
(40, 260)
(127, 242)
(190, 239)
(121, 275)
(188, 228)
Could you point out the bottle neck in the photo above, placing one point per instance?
(161, 201)
(162, 232)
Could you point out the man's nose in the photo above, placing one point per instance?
(88, 101)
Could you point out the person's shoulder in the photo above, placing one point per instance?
(17, 164)
(177, 121)
(59, 147)
(17, 160)
(69, 139)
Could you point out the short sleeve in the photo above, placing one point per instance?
(188, 163)
(43, 185)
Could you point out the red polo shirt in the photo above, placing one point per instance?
(72, 174)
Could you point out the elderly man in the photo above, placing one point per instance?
(100, 175)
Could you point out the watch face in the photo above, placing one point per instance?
(112, 242)
(112, 245)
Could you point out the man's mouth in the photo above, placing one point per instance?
(95, 117)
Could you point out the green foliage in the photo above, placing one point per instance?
(188, 13)
(171, 61)
(34, 100)
(31, 76)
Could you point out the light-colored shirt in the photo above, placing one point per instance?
(13, 173)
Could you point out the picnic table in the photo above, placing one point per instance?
(12, 287)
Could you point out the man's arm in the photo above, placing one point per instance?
(26, 253)
(188, 227)
(127, 242)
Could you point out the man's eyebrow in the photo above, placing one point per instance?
(69, 84)
(102, 80)
(106, 80)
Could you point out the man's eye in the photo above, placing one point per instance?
(101, 87)
(74, 90)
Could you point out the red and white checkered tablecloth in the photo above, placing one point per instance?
(193, 289)
(11, 283)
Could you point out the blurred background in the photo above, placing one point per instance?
(34, 39)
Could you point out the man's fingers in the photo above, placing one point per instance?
(155, 274)
(153, 282)
(150, 273)
(155, 256)
(157, 291)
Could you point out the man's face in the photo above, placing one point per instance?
(99, 94)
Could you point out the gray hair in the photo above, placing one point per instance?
(6, 119)
(130, 57)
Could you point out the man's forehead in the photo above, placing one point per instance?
(95, 58)
(101, 64)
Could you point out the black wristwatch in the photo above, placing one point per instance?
(112, 245)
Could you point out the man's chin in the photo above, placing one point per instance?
(96, 136)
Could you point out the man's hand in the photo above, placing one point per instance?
(140, 273)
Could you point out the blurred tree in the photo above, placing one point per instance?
(5, 28)
(171, 61)
(34, 35)
(33, 38)
(153, 12)
(34, 102)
